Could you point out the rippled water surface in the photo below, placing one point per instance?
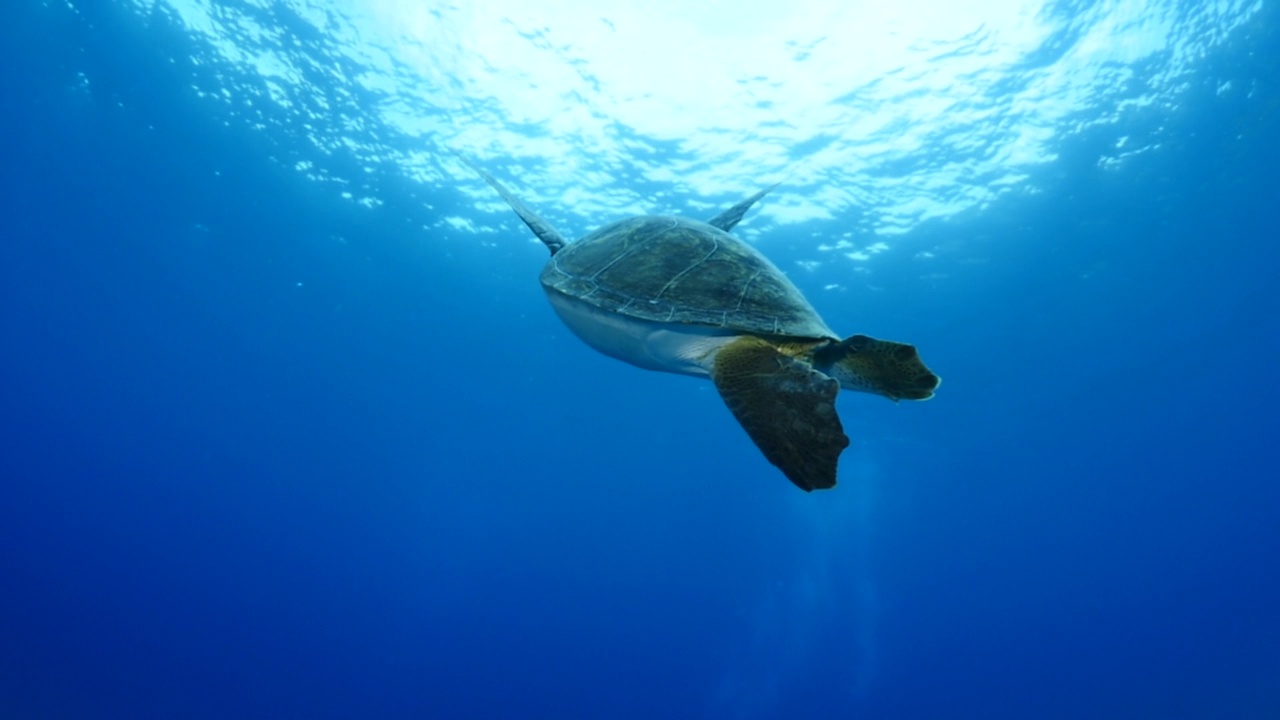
(875, 116)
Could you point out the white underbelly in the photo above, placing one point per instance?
(685, 350)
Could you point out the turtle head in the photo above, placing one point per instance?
(881, 367)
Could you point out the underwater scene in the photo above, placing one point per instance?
(617, 359)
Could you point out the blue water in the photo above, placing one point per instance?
(271, 452)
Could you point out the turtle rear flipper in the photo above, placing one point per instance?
(787, 408)
(728, 219)
(554, 241)
(882, 367)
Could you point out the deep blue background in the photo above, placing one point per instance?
(269, 454)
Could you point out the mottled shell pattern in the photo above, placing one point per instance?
(680, 271)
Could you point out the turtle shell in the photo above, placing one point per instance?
(685, 272)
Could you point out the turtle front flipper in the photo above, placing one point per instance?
(882, 367)
(787, 408)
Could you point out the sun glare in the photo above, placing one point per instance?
(886, 114)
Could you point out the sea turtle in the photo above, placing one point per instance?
(682, 296)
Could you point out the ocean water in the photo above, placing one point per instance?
(290, 430)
